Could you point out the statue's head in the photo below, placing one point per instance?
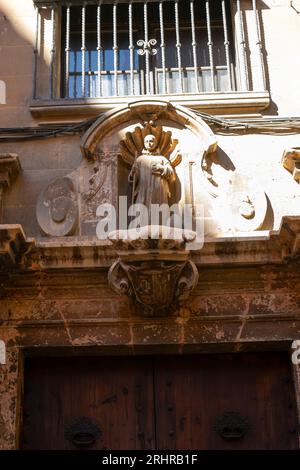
(150, 142)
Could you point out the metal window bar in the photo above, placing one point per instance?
(146, 36)
(226, 45)
(83, 50)
(52, 52)
(178, 46)
(131, 47)
(90, 75)
(242, 49)
(115, 47)
(162, 47)
(67, 52)
(194, 45)
(99, 52)
(210, 45)
(75, 76)
(259, 46)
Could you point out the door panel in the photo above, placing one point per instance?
(193, 394)
(230, 401)
(117, 393)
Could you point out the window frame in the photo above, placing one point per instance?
(235, 101)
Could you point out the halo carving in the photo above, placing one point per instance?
(133, 144)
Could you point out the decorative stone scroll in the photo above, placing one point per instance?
(291, 162)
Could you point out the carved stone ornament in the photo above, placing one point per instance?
(133, 144)
(13, 246)
(56, 209)
(291, 162)
(154, 285)
(241, 205)
(9, 168)
(156, 281)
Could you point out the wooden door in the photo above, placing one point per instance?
(230, 401)
(115, 393)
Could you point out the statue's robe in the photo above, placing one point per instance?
(150, 187)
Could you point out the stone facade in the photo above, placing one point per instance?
(54, 288)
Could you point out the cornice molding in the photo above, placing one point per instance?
(215, 103)
(63, 253)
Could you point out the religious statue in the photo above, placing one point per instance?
(153, 156)
(151, 175)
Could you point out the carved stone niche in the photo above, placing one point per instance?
(68, 206)
(155, 272)
(291, 162)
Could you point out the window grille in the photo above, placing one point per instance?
(153, 47)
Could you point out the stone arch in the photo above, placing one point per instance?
(143, 111)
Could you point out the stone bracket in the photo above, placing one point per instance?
(13, 246)
(154, 285)
(9, 168)
(291, 162)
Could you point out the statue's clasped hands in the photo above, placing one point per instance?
(158, 169)
(163, 170)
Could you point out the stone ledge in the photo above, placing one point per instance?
(217, 103)
(253, 248)
(240, 249)
(192, 334)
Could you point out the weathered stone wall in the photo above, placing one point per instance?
(254, 303)
(233, 308)
(10, 378)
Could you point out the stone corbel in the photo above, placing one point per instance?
(291, 162)
(13, 246)
(9, 169)
(156, 273)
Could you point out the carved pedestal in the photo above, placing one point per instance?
(155, 273)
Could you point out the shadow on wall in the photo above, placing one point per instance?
(261, 5)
